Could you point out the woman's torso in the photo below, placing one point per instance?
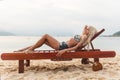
(72, 42)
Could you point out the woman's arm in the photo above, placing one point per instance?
(83, 39)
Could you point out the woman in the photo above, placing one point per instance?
(70, 45)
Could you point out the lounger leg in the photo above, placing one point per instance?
(96, 59)
(97, 65)
(21, 66)
(27, 63)
(85, 61)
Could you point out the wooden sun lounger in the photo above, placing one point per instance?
(51, 54)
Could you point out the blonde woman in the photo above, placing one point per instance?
(65, 46)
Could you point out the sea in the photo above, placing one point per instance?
(13, 43)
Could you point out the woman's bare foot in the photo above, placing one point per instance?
(18, 51)
(23, 49)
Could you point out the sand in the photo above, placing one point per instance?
(61, 70)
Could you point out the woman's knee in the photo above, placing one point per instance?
(46, 35)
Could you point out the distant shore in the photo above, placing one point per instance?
(5, 33)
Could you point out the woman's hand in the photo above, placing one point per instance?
(60, 52)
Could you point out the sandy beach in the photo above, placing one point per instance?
(62, 70)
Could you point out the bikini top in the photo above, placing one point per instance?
(77, 38)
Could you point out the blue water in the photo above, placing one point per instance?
(12, 43)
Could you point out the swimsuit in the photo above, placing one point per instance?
(63, 45)
(77, 38)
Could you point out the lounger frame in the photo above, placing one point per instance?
(24, 59)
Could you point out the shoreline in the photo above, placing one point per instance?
(62, 70)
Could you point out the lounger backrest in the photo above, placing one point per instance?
(97, 34)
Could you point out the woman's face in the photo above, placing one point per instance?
(86, 30)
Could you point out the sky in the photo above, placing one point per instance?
(58, 16)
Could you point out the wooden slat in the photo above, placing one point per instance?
(80, 54)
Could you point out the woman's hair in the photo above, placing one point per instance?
(91, 33)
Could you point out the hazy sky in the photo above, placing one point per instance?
(58, 16)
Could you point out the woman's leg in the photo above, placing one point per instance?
(23, 49)
(48, 40)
